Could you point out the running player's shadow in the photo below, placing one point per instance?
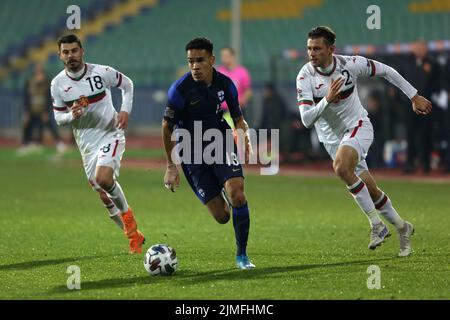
(237, 275)
(118, 283)
(189, 277)
(43, 263)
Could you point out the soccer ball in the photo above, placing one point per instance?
(160, 259)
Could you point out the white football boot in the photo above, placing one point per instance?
(378, 234)
(404, 235)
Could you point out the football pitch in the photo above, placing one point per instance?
(308, 239)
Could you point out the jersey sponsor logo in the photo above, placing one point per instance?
(83, 101)
(221, 95)
(194, 102)
(65, 90)
(235, 170)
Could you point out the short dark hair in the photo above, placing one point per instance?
(69, 38)
(200, 44)
(324, 32)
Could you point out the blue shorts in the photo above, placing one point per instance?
(207, 180)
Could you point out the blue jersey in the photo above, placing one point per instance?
(190, 101)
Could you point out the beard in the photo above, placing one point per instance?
(74, 65)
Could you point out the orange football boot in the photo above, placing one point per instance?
(136, 237)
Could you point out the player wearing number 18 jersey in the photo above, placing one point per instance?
(81, 97)
(328, 99)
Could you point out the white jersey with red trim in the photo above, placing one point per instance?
(332, 120)
(92, 90)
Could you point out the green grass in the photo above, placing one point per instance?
(308, 239)
(49, 154)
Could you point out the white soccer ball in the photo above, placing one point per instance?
(160, 259)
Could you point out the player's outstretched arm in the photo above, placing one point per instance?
(421, 105)
(366, 67)
(171, 177)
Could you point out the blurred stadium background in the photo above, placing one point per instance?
(145, 39)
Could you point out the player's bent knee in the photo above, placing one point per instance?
(341, 169)
(104, 182)
(238, 199)
(223, 219)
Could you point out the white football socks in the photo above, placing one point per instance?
(384, 205)
(362, 197)
(114, 214)
(115, 193)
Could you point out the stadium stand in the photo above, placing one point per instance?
(147, 42)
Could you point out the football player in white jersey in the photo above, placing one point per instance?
(328, 99)
(81, 97)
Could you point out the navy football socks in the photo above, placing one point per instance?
(241, 224)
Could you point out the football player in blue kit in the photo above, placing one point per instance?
(194, 101)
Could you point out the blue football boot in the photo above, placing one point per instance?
(243, 262)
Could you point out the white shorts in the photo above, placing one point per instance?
(359, 138)
(108, 153)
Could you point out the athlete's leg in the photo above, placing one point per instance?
(106, 173)
(114, 212)
(382, 202)
(235, 191)
(344, 166)
(218, 209)
(104, 176)
(234, 188)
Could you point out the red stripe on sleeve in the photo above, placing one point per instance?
(120, 80)
(374, 70)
